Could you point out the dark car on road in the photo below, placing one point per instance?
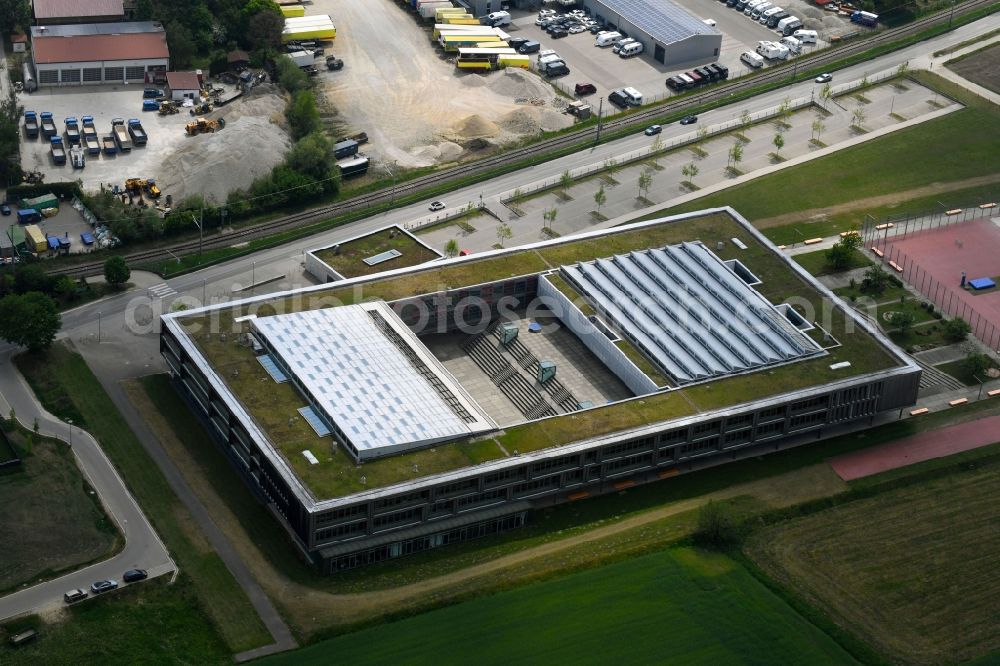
(134, 575)
(580, 89)
(689, 120)
(4, 209)
(75, 595)
(652, 129)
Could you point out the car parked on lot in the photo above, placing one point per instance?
(824, 78)
(152, 93)
(652, 129)
(689, 120)
(437, 205)
(134, 575)
(4, 209)
(73, 596)
(585, 89)
(102, 586)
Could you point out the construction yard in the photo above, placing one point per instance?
(253, 141)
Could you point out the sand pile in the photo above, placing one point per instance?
(519, 121)
(450, 151)
(519, 84)
(472, 80)
(214, 164)
(474, 127)
(812, 14)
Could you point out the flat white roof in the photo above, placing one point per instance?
(371, 378)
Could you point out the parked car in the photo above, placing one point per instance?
(580, 89)
(4, 209)
(576, 29)
(824, 78)
(152, 93)
(652, 129)
(689, 120)
(102, 586)
(437, 205)
(134, 575)
(73, 596)
(559, 34)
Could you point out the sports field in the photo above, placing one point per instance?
(910, 571)
(678, 606)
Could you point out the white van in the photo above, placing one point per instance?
(751, 59)
(544, 53)
(548, 57)
(760, 9)
(805, 36)
(622, 43)
(794, 45)
(750, 6)
(634, 96)
(768, 14)
(497, 19)
(608, 39)
(633, 49)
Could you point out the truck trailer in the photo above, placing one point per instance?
(865, 18)
(136, 131)
(72, 131)
(34, 238)
(48, 125)
(58, 150)
(90, 136)
(120, 132)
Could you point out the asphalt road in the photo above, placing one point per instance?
(143, 548)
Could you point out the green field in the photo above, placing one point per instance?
(911, 570)
(151, 623)
(679, 606)
(348, 259)
(66, 386)
(817, 264)
(52, 521)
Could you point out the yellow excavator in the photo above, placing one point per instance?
(203, 125)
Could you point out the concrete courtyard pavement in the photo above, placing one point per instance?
(143, 548)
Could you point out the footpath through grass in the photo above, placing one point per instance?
(678, 606)
(67, 387)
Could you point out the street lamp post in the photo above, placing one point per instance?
(253, 274)
(70, 422)
(98, 326)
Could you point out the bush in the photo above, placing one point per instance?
(116, 271)
(302, 114)
(63, 191)
(957, 329)
(718, 528)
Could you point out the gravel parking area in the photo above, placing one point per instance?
(252, 142)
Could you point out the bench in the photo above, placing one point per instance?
(882, 227)
(812, 241)
(878, 252)
(918, 412)
(956, 403)
(994, 393)
(579, 496)
(953, 211)
(845, 234)
(781, 247)
(622, 485)
(989, 205)
(896, 267)
(667, 473)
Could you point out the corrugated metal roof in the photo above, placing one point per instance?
(689, 312)
(50, 9)
(87, 48)
(662, 20)
(183, 81)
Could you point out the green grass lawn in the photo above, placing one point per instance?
(52, 520)
(961, 145)
(890, 295)
(816, 263)
(151, 623)
(958, 370)
(678, 606)
(349, 259)
(922, 337)
(911, 569)
(67, 386)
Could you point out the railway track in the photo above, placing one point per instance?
(717, 93)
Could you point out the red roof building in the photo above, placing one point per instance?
(99, 53)
(59, 12)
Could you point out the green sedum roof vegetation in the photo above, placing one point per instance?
(273, 406)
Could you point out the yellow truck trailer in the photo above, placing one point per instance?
(35, 239)
(308, 27)
(291, 11)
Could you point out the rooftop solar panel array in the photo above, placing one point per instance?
(660, 19)
(689, 312)
(361, 382)
(272, 368)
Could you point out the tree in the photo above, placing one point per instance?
(736, 154)
(290, 76)
(116, 271)
(311, 156)
(503, 233)
(957, 329)
(549, 216)
(645, 180)
(611, 166)
(451, 248)
(181, 44)
(264, 29)
(690, 172)
(903, 68)
(718, 527)
(785, 110)
(976, 364)
(30, 320)
(817, 128)
(825, 93)
(745, 119)
(875, 281)
(302, 114)
(779, 143)
(859, 116)
(14, 14)
(839, 256)
(903, 321)
(599, 198)
(565, 181)
(702, 133)
(64, 287)
(657, 145)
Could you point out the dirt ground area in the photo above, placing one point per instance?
(253, 141)
(416, 107)
(982, 67)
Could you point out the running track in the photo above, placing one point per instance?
(912, 450)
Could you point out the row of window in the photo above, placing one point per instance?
(92, 75)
